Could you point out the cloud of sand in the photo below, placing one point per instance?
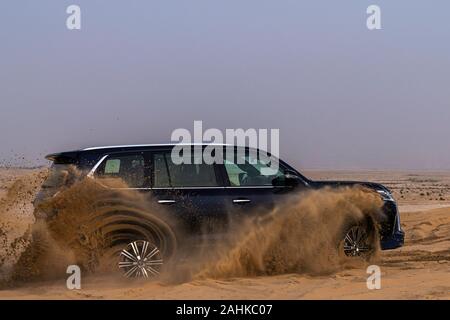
(16, 217)
(299, 236)
(76, 224)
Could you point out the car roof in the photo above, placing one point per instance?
(120, 148)
(152, 145)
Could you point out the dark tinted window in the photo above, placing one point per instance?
(245, 170)
(166, 173)
(160, 174)
(129, 168)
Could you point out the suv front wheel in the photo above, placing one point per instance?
(359, 240)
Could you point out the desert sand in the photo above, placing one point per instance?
(419, 270)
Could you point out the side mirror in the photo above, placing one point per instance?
(289, 179)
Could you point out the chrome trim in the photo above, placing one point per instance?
(241, 200)
(166, 201)
(386, 195)
(91, 173)
(158, 145)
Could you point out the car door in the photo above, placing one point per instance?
(193, 193)
(249, 189)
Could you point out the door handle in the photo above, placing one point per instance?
(166, 201)
(241, 201)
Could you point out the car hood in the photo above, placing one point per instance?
(336, 184)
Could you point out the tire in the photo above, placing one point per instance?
(359, 239)
(141, 259)
(118, 238)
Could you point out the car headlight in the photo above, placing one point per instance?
(385, 195)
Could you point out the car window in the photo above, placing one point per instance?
(160, 173)
(129, 168)
(166, 173)
(247, 171)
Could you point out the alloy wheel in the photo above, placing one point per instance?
(140, 259)
(356, 242)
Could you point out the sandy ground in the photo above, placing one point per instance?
(419, 270)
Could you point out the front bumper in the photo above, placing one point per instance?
(396, 240)
(392, 235)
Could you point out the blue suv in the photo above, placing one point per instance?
(200, 197)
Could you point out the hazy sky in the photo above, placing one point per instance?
(341, 95)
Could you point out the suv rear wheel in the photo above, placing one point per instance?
(140, 259)
(132, 242)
